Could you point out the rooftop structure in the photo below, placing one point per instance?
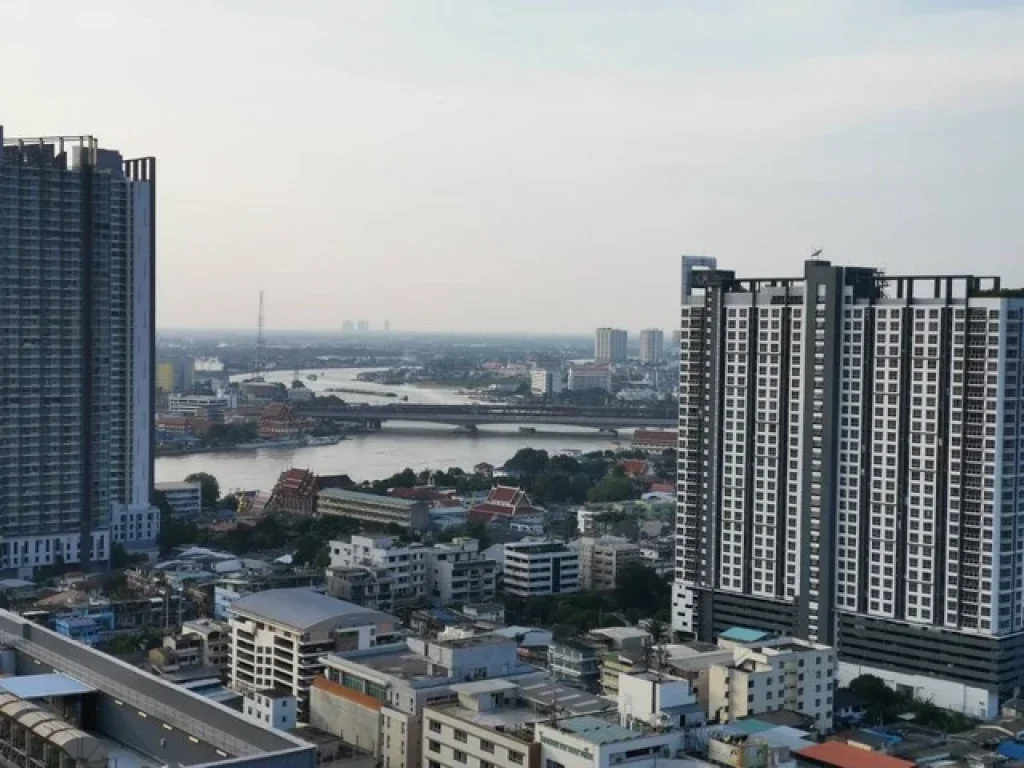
(373, 509)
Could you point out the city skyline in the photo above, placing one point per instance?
(461, 153)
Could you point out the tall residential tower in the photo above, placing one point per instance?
(610, 345)
(849, 449)
(652, 346)
(77, 247)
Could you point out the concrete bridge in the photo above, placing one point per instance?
(476, 415)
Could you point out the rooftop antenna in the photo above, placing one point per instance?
(817, 253)
(260, 341)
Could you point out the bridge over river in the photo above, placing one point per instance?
(471, 416)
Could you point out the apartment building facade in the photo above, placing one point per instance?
(535, 568)
(370, 508)
(610, 345)
(186, 499)
(652, 346)
(77, 297)
(279, 638)
(602, 559)
(849, 446)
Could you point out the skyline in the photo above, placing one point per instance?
(449, 168)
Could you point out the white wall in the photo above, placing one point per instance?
(976, 702)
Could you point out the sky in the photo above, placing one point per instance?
(533, 165)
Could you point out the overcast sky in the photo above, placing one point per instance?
(533, 165)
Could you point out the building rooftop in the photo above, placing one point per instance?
(44, 686)
(835, 753)
(597, 730)
(369, 498)
(175, 486)
(303, 608)
(744, 635)
(492, 685)
(541, 691)
(621, 633)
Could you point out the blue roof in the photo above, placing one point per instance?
(1012, 750)
(750, 726)
(744, 635)
(44, 686)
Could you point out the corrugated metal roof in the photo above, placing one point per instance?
(44, 686)
(302, 608)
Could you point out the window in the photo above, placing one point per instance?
(435, 726)
(460, 736)
(459, 756)
(515, 757)
(486, 746)
(434, 746)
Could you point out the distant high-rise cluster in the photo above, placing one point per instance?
(77, 343)
(610, 345)
(849, 456)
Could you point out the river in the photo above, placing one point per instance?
(371, 456)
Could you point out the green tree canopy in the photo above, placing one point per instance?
(210, 488)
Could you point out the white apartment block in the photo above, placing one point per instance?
(610, 345)
(652, 346)
(77, 258)
(210, 406)
(545, 381)
(186, 499)
(452, 572)
(273, 708)
(849, 448)
(602, 559)
(535, 568)
(279, 638)
(782, 674)
(485, 726)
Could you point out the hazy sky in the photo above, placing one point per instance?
(533, 164)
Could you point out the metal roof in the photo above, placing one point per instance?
(597, 731)
(370, 498)
(44, 686)
(744, 635)
(302, 608)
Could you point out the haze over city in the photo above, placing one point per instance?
(534, 166)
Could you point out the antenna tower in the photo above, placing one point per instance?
(260, 341)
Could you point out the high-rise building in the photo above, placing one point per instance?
(348, 326)
(610, 345)
(363, 326)
(77, 248)
(849, 451)
(652, 346)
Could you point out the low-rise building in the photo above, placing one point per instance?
(375, 510)
(778, 674)
(185, 499)
(375, 698)
(272, 708)
(535, 568)
(278, 638)
(597, 742)
(602, 559)
(487, 725)
(576, 661)
(584, 377)
(215, 639)
(210, 407)
(655, 441)
(295, 493)
(505, 503)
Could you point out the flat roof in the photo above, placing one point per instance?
(176, 486)
(370, 498)
(597, 731)
(304, 608)
(840, 755)
(745, 635)
(541, 691)
(494, 685)
(621, 633)
(44, 686)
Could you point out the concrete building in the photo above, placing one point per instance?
(375, 698)
(278, 638)
(610, 345)
(273, 708)
(545, 381)
(486, 725)
(584, 377)
(373, 509)
(77, 302)
(654, 442)
(379, 571)
(186, 499)
(652, 346)
(215, 642)
(577, 662)
(869, 423)
(780, 674)
(100, 711)
(534, 568)
(598, 742)
(602, 559)
(210, 407)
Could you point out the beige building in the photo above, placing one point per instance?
(279, 638)
(783, 673)
(602, 558)
(375, 510)
(485, 726)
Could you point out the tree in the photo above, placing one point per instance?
(614, 487)
(529, 461)
(642, 592)
(209, 487)
(173, 532)
(122, 558)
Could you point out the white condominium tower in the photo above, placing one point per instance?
(652, 346)
(610, 345)
(849, 449)
(77, 244)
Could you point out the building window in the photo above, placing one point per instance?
(461, 736)
(515, 757)
(459, 756)
(435, 726)
(434, 746)
(486, 746)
